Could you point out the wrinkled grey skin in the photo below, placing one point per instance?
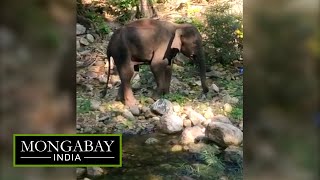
(153, 42)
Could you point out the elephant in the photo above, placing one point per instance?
(156, 43)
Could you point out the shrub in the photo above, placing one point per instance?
(223, 34)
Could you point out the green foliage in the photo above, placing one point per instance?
(212, 168)
(237, 113)
(175, 97)
(224, 34)
(98, 22)
(83, 105)
(124, 8)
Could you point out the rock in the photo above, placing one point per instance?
(78, 45)
(149, 100)
(156, 118)
(136, 82)
(95, 104)
(176, 107)
(241, 125)
(144, 109)
(176, 148)
(151, 141)
(149, 114)
(227, 107)
(90, 38)
(221, 118)
(233, 154)
(80, 29)
(95, 172)
(84, 41)
(80, 172)
(224, 134)
(127, 114)
(208, 114)
(190, 134)
(215, 87)
(187, 123)
(228, 99)
(170, 123)
(162, 107)
(86, 178)
(134, 110)
(195, 117)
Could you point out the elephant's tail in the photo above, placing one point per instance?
(104, 92)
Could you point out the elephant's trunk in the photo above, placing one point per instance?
(200, 60)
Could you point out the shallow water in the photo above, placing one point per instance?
(150, 161)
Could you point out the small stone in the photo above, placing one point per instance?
(78, 126)
(195, 117)
(156, 118)
(95, 172)
(78, 44)
(134, 110)
(241, 125)
(227, 107)
(90, 38)
(215, 87)
(151, 141)
(149, 100)
(187, 123)
(144, 109)
(191, 134)
(176, 107)
(233, 154)
(162, 106)
(127, 114)
(84, 41)
(208, 114)
(80, 29)
(176, 148)
(94, 104)
(80, 172)
(149, 114)
(86, 178)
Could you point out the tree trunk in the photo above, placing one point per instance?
(146, 9)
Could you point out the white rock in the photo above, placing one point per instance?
(84, 41)
(195, 117)
(90, 38)
(80, 29)
(94, 172)
(170, 123)
(162, 106)
(215, 87)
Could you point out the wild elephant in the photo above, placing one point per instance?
(153, 42)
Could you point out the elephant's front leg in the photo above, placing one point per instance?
(162, 73)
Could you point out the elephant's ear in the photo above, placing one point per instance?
(176, 43)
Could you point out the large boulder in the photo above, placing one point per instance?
(224, 134)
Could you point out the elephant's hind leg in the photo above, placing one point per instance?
(126, 72)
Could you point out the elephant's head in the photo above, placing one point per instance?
(188, 41)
